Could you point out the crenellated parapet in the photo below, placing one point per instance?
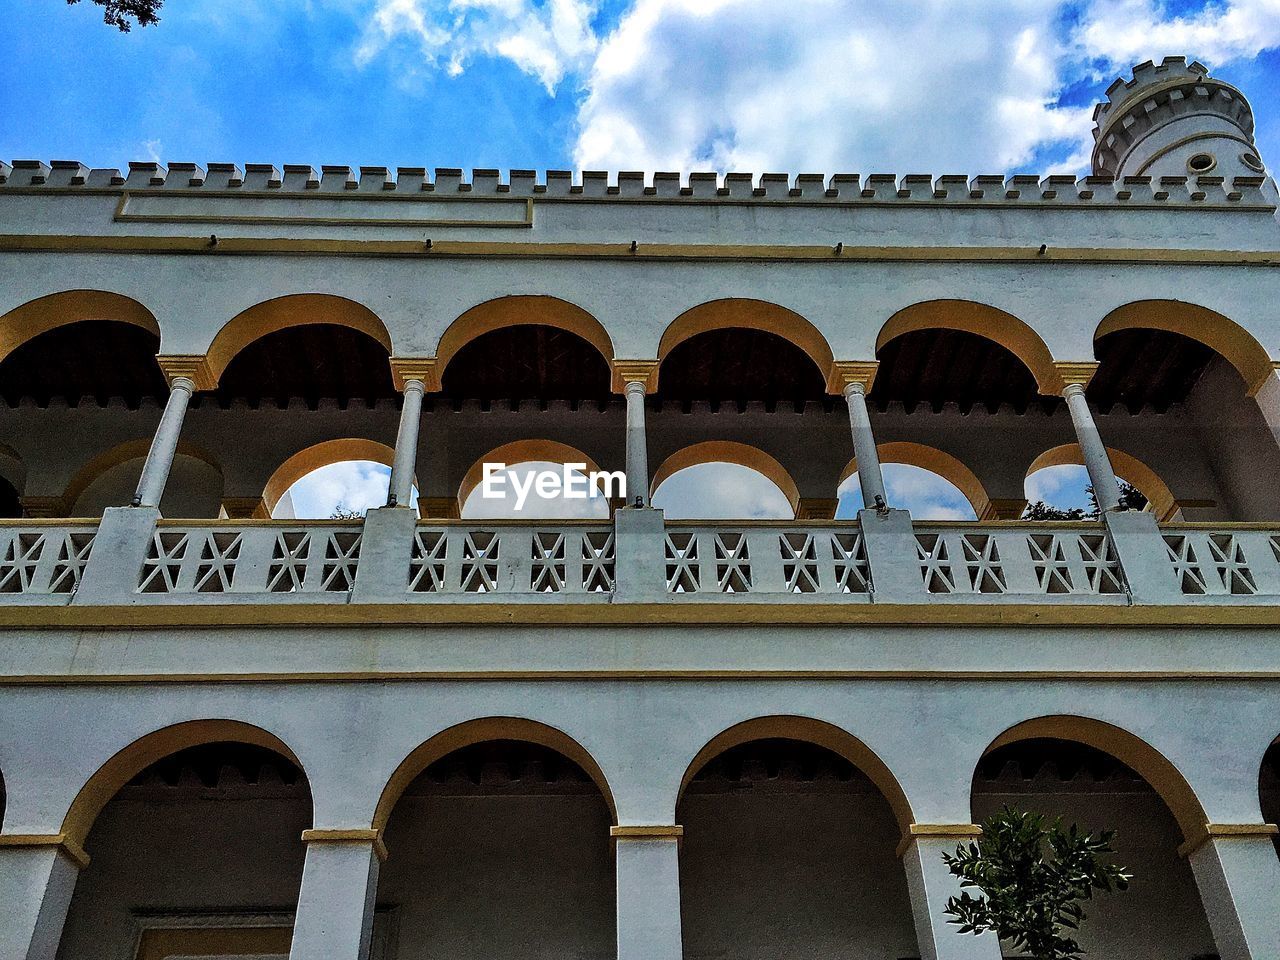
(1245, 189)
(1172, 118)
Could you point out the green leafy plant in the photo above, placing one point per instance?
(1131, 498)
(124, 14)
(1034, 876)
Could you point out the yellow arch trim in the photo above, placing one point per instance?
(818, 732)
(934, 460)
(985, 321)
(1127, 467)
(751, 315)
(140, 754)
(1217, 332)
(518, 311)
(321, 455)
(293, 310)
(480, 731)
(71, 306)
(123, 453)
(1129, 749)
(728, 451)
(522, 451)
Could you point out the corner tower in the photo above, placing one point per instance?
(1173, 119)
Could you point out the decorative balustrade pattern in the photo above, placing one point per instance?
(1021, 559)
(766, 559)
(320, 560)
(512, 559)
(44, 560)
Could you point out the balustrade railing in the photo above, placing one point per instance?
(544, 561)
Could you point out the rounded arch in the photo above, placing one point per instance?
(71, 306)
(522, 451)
(1127, 467)
(521, 310)
(1126, 747)
(728, 451)
(293, 310)
(1217, 332)
(836, 739)
(934, 460)
(137, 756)
(478, 731)
(123, 453)
(994, 324)
(752, 315)
(321, 455)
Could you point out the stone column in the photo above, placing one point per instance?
(634, 379)
(930, 884)
(155, 472)
(37, 878)
(858, 379)
(400, 492)
(339, 886)
(1238, 876)
(648, 888)
(637, 446)
(1102, 477)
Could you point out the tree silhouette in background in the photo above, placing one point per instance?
(1130, 499)
(124, 14)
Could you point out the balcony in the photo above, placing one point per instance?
(134, 558)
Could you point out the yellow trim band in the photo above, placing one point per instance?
(66, 846)
(365, 835)
(937, 831)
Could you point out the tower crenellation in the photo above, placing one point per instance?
(1173, 119)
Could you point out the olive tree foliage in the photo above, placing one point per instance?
(1034, 876)
(1131, 498)
(124, 14)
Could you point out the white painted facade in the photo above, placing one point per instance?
(366, 653)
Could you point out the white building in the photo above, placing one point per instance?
(420, 738)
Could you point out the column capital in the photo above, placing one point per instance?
(1003, 508)
(817, 508)
(425, 369)
(39, 508)
(1227, 831)
(245, 508)
(64, 844)
(635, 371)
(438, 508)
(937, 831)
(194, 366)
(360, 835)
(843, 373)
(1076, 371)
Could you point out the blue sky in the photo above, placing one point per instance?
(820, 86)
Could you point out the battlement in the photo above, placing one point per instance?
(60, 176)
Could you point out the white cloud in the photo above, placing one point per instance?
(721, 491)
(927, 495)
(1131, 31)
(1062, 486)
(352, 485)
(547, 39)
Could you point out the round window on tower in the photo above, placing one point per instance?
(1202, 163)
(1253, 162)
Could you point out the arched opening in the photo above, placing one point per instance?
(790, 832)
(336, 479)
(13, 474)
(311, 347)
(194, 490)
(738, 351)
(723, 480)
(193, 841)
(517, 491)
(929, 482)
(498, 839)
(1102, 778)
(525, 348)
(1189, 375)
(53, 349)
(1058, 481)
(959, 352)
